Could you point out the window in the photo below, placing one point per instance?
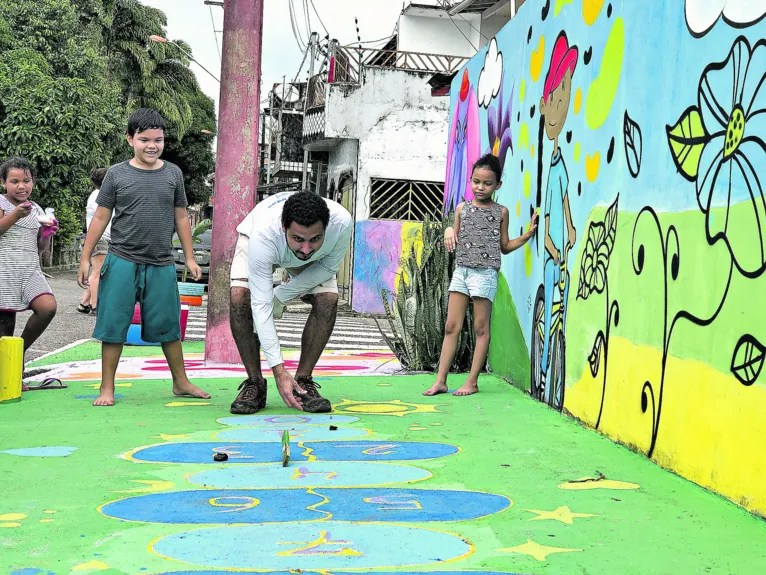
(406, 200)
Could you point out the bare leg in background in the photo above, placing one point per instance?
(482, 311)
(458, 304)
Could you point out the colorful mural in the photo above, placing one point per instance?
(463, 148)
(648, 173)
(378, 251)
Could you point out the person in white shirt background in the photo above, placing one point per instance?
(90, 294)
(308, 236)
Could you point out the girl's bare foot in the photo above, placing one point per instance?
(188, 389)
(436, 389)
(105, 398)
(469, 388)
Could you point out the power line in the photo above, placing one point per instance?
(320, 18)
(305, 55)
(446, 10)
(294, 24)
(307, 14)
(217, 44)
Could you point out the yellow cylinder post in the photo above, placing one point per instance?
(11, 368)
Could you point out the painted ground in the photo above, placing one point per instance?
(494, 483)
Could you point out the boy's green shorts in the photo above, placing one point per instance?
(124, 283)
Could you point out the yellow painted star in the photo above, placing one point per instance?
(588, 483)
(98, 385)
(151, 486)
(563, 514)
(186, 404)
(533, 549)
(395, 407)
(168, 437)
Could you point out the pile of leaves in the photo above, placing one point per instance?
(417, 312)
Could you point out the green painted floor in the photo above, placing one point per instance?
(639, 519)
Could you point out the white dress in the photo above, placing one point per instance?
(21, 279)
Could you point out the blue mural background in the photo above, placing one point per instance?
(659, 342)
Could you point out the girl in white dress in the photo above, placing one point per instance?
(25, 232)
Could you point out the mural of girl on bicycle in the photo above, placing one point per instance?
(549, 319)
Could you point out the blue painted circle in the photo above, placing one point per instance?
(319, 546)
(50, 451)
(283, 420)
(251, 452)
(297, 433)
(228, 507)
(308, 474)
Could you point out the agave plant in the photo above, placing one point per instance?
(417, 312)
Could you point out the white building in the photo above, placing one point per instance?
(381, 116)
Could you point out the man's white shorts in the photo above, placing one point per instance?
(240, 270)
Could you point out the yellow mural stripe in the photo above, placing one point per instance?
(536, 61)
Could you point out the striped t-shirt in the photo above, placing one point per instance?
(144, 203)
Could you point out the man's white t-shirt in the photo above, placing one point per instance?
(90, 213)
(268, 248)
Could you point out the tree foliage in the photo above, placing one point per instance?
(71, 71)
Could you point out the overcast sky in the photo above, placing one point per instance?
(190, 20)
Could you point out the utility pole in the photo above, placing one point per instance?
(313, 45)
(271, 134)
(236, 178)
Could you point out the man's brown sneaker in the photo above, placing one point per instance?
(251, 398)
(312, 402)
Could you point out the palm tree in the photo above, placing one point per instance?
(150, 74)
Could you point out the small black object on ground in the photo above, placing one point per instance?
(333, 428)
(220, 457)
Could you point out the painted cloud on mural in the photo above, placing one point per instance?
(491, 76)
(701, 15)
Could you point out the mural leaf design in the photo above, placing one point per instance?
(634, 145)
(610, 223)
(594, 262)
(598, 249)
(594, 359)
(747, 360)
(687, 140)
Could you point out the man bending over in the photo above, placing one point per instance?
(309, 237)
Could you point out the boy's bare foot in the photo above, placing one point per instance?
(469, 388)
(105, 398)
(436, 389)
(188, 389)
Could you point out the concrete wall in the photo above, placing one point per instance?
(343, 161)
(492, 25)
(437, 34)
(664, 333)
(401, 132)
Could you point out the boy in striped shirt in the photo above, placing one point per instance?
(148, 199)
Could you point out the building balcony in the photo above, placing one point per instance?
(348, 69)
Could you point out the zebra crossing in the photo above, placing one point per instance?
(350, 333)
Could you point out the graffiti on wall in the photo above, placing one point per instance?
(378, 251)
(659, 162)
